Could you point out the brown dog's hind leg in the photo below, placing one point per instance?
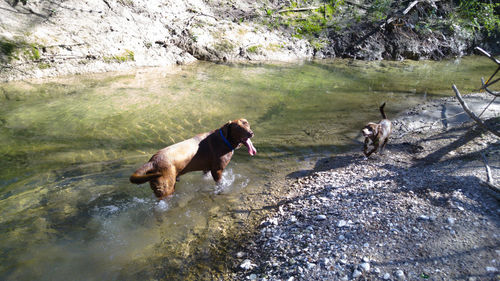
(164, 185)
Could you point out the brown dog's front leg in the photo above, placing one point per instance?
(217, 175)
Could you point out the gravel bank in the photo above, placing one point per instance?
(418, 212)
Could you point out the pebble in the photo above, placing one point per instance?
(240, 255)
(356, 273)
(320, 217)
(451, 220)
(341, 223)
(491, 269)
(247, 264)
(386, 276)
(424, 217)
(400, 274)
(365, 267)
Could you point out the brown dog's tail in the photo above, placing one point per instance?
(144, 174)
(382, 111)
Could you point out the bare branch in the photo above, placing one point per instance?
(489, 179)
(297, 10)
(488, 55)
(471, 114)
(485, 87)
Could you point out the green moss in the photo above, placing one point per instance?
(127, 55)
(224, 46)
(43, 65)
(254, 49)
(17, 49)
(31, 52)
(7, 47)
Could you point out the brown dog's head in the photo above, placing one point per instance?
(241, 133)
(370, 130)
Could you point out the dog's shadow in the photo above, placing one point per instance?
(328, 163)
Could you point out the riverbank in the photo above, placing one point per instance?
(54, 38)
(418, 212)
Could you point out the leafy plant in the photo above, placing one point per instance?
(380, 9)
(480, 14)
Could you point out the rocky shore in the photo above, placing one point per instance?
(418, 212)
(52, 38)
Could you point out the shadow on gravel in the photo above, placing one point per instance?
(326, 164)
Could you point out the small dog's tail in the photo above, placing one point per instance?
(382, 111)
(144, 174)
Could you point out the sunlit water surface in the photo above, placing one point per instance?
(68, 146)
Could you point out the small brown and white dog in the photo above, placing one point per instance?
(207, 152)
(377, 134)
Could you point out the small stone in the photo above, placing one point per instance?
(252, 277)
(365, 266)
(310, 265)
(386, 276)
(451, 220)
(240, 255)
(341, 223)
(424, 218)
(247, 264)
(491, 269)
(320, 217)
(400, 274)
(356, 273)
(341, 237)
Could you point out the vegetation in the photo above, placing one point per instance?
(312, 19)
(11, 49)
(127, 55)
(480, 15)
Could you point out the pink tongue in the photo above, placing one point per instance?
(251, 149)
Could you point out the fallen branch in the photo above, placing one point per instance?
(488, 55)
(297, 10)
(489, 179)
(472, 115)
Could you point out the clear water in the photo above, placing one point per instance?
(68, 146)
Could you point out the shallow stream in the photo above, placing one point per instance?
(69, 144)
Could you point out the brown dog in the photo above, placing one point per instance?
(205, 152)
(377, 133)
